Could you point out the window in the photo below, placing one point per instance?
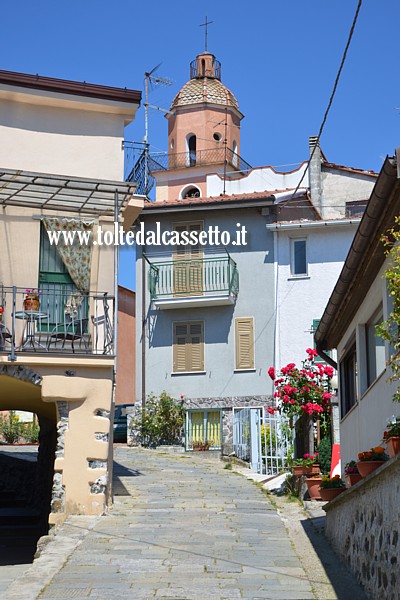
(191, 192)
(298, 257)
(375, 348)
(188, 349)
(244, 343)
(348, 380)
(55, 284)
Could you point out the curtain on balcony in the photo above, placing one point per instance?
(76, 256)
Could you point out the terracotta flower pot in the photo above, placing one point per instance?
(31, 303)
(313, 470)
(313, 484)
(366, 467)
(393, 445)
(299, 470)
(328, 494)
(352, 479)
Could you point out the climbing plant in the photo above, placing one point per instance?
(390, 328)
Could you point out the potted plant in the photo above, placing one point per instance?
(351, 472)
(307, 465)
(31, 300)
(391, 436)
(371, 460)
(331, 487)
(313, 483)
(1, 313)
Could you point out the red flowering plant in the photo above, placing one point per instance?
(308, 460)
(305, 391)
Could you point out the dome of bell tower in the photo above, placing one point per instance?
(205, 85)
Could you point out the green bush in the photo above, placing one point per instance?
(325, 454)
(10, 427)
(30, 432)
(160, 421)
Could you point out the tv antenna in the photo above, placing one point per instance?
(151, 80)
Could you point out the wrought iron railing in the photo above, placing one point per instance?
(55, 319)
(163, 161)
(193, 277)
(198, 70)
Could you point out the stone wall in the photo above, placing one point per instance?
(363, 525)
(225, 403)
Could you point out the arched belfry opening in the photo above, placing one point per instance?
(26, 469)
(191, 148)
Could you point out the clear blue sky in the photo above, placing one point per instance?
(279, 59)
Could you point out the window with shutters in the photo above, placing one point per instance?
(188, 350)
(244, 343)
(188, 263)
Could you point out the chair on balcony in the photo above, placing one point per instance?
(73, 332)
(5, 336)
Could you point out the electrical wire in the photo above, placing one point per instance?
(333, 92)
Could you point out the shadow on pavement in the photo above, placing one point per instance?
(342, 580)
(122, 471)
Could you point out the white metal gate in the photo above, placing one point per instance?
(261, 439)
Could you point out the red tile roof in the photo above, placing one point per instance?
(185, 202)
(330, 165)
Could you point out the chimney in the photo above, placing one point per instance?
(315, 174)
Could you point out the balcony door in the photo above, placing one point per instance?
(188, 276)
(59, 296)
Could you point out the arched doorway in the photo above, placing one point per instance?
(26, 471)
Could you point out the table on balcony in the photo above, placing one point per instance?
(28, 336)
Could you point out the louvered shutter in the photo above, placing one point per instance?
(244, 332)
(196, 347)
(188, 351)
(180, 347)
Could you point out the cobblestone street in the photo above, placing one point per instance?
(182, 527)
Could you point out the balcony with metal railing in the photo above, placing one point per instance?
(195, 281)
(55, 320)
(163, 161)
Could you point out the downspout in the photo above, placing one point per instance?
(114, 379)
(143, 327)
(277, 315)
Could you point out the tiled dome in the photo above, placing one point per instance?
(204, 89)
(196, 91)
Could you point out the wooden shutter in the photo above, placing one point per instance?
(244, 337)
(180, 347)
(188, 264)
(188, 351)
(196, 359)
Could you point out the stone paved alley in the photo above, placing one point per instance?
(182, 527)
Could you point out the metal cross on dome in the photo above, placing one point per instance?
(206, 24)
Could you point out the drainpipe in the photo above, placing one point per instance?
(143, 327)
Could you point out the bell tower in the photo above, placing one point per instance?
(203, 133)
